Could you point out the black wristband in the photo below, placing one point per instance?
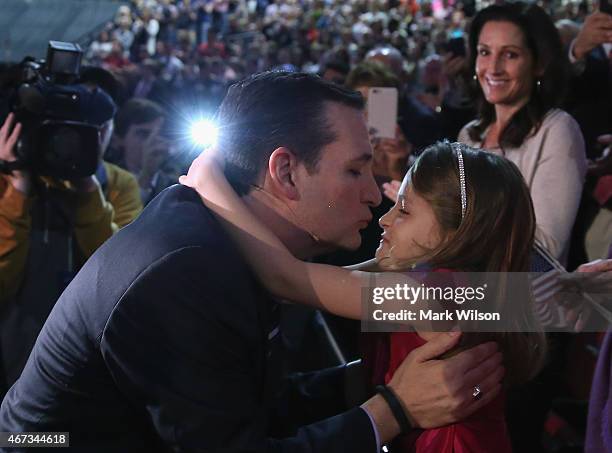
(396, 408)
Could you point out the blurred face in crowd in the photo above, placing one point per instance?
(335, 201)
(117, 48)
(504, 65)
(410, 228)
(135, 140)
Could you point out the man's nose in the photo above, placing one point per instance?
(372, 195)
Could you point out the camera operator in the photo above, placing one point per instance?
(49, 227)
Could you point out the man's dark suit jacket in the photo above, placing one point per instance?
(162, 343)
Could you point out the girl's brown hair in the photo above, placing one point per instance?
(495, 235)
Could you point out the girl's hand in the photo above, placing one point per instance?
(203, 172)
(578, 313)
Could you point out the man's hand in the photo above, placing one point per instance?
(596, 30)
(603, 165)
(596, 266)
(86, 184)
(9, 135)
(8, 138)
(438, 392)
(579, 314)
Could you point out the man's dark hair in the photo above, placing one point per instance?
(273, 109)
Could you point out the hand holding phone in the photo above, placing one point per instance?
(596, 30)
(382, 111)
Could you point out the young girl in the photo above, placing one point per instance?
(459, 209)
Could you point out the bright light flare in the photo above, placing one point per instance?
(204, 133)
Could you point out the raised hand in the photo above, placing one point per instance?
(596, 30)
(391, 190)
(9, 134)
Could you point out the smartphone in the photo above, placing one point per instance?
(456, 46)
(382, 111)
(605, 6)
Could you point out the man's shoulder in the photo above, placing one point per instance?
(177, 218)
(175, 250)
(177, 223)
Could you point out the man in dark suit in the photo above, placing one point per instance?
(165, 342)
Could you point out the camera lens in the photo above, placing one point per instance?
(63, 141)
(69, 151)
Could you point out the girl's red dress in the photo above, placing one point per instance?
(484, 431)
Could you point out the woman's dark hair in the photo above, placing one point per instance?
(549, 59)
(273, 109)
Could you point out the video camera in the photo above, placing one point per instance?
(60, 119)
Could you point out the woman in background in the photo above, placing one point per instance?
(521, 69)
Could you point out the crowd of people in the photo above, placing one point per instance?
(183, 56)
(525, 90)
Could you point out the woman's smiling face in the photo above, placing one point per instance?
(504, 64)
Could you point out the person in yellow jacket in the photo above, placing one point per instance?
(48, 229)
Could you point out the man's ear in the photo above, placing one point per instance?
(282, 166)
